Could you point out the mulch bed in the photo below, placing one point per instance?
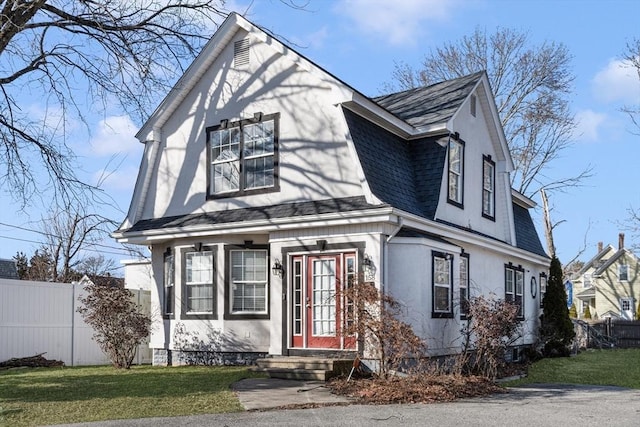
(414, 389)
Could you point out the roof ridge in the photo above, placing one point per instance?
(425, 87)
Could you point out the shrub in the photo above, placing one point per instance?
(573, 312)
(587, 313)
(491, 328)
(119, 326)
(556, 330)
(374, 318)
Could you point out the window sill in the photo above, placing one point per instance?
(441, 315)
(246, 316)
(199, 316)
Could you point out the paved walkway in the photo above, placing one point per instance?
(537, 405)
(265, 393)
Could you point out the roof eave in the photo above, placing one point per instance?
(367, 108)
(192, 75)
(382, 214)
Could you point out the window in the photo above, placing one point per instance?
(543, 287)
(488, 187)
(198, 295)
(249, 282)
(169, 283)
(456, 170)
(623, 272)
(243, 156)
(587, 280)
(441, 285)
(514, 287)
(626, 304)
(464, 285)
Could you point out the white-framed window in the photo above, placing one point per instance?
(464, 285)
(198, 294)
(169, 284)
(623, 272)
(587, 280)
(249, 281)
(514, 287)
(543, 288)
(243, 156)
(456, 171)
(488, 187)
(442, 284)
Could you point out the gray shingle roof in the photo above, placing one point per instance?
(285, 210)
(526, 235)
(404, 174)
(8, 269)
(429, 105)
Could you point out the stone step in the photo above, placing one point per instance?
(303, 368)
(297, 374)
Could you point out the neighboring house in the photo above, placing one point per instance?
(137, 274)
(267, 185)
(106, 280)
(609, 283)
(8, 269)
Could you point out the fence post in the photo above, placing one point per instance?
(73, 322)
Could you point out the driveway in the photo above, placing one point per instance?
(539, 405)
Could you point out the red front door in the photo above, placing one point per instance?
(317, 310)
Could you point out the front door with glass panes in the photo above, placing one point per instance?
(317, 305)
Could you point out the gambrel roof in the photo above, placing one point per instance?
(400, 143)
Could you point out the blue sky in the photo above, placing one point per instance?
(359, 41)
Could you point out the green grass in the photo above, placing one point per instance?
(619, 367)
(30, 397)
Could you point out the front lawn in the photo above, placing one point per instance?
(620, 367)
(39, 396)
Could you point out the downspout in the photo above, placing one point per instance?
(385, 253)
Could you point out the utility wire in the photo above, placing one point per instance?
(58, 237)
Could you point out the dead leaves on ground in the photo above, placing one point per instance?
(414, 389)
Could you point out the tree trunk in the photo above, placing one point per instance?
(548, 227)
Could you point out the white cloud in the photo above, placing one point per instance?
(618, 81)
(400, 22)
(114, 135)
(588, 124)
(315, 40)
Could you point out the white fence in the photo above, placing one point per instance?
(41, 317)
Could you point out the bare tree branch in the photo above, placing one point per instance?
(70, 51)
(531, 84)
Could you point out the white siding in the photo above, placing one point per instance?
(312, 144)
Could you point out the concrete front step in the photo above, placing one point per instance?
(303, 368)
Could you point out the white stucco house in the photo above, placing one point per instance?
(267, 184)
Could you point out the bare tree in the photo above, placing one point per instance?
(531, 84)
(80, 54)
(632, 56)
(71, 234)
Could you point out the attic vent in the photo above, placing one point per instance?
(241, 53)
(472, 104)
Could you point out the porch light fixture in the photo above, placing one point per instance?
(277, 268)
(368, 267)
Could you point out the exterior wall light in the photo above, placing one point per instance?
(277, 269)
